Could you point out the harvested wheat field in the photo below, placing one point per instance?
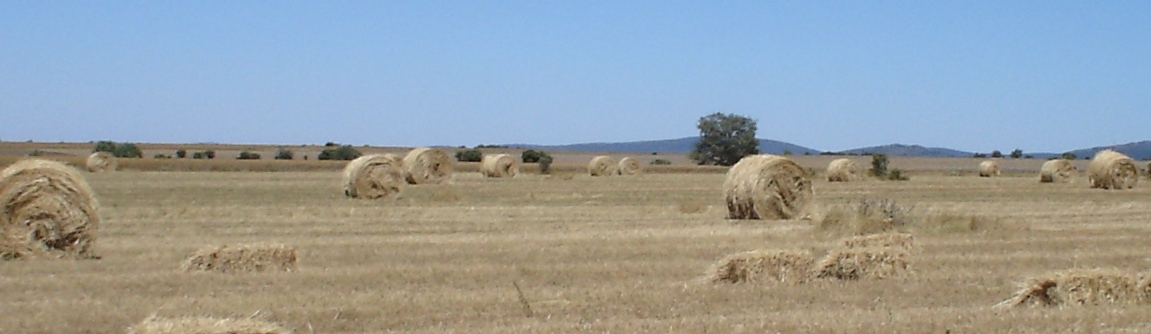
(577, 254)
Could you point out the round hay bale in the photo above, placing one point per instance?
(767, 187)
(602, 166)
(500, 165)
(427, 165)
(842, 170)
(1112, 170)
(48, 211)
(629, 166)
(101, 162)
(988, 168)
(1058, 170)
(373, 176)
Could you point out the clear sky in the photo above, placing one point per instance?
(830, 75)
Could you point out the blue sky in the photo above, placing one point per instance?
(830, 75)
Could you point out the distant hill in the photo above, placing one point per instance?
(900, 150)
(1137, 150)
(680, 145)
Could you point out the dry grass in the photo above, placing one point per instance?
(242, 258)
(1078, 287)
(783, 266)
(904, 241)
(588, 255)
(205, 325)
(863, 263)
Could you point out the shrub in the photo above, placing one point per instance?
(160, 156)
(344, 152)
(469, 155)
(210, 154)
(1068, 156)
(531, 156)
(545, 163)
(198, 155)
(660, 162)
(284, 154)
(245, 155)
(1017, 153)
(105, 146)
(125, 150)
(181, 153)
(978, 155)
(896, 175)
(996, 154)
(879, 165)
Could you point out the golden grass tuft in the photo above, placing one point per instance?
(863, 263)
(1058, 170)
(205, 325)
(988, 168)
(500, 165)
(427, 165)
(629, 166)
(48, 210)
(242, 258)
(902, 241)
(1112, 170)
(1081, 287)
(842, 170)
(784, 266)
(373, 176)
(101, 162)
(767, 187)
(602, 166)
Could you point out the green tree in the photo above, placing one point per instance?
(105, 146)
(469, 155)
(128, 150)
(1016, 154)
(533, 156)
(996, 154)
(210, 154)
(284, 154)
(181, 153)
(724, 139)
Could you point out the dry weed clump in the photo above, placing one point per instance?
(988, 168)
(904, 241)
(863, 217)
(1058, 170)
(242, 258)
(863, 263)
(1112, 170)
(427, 165)
(1081, 287)
(602, 166)
(784, 266)
(373, 176)
(842, 170)
(48, 210)
(500, 165)
(767, 187)
(205, 325)
(101, 162)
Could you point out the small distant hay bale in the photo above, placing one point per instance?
(767, 187)
(373, 176)
(863, 263)
(101, 162)
(427, 165)
(602, 166)
(48, 210)
(500, 165)
(988, 168)
(1058, 170)
(902, 241)
(785, 266)
(842, 170)
(629, 166)
(205, 325)
(242, 258)
(1080, 287)
(1112, 170)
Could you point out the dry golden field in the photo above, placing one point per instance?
(616, 254)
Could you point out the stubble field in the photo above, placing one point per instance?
(618, 255)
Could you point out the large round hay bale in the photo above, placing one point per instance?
(373, 176)
(988, 168)
(1058, 170)
(500, 165)
(602, 166)
(629, 166)
(48, 210)
(767, 187)
(842, 170)
(427, 165)
(101, 162)
(1112, 170)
